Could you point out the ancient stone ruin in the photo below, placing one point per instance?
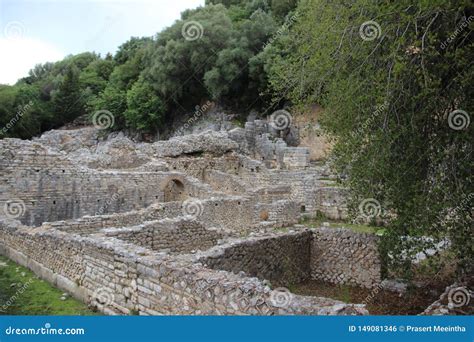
(200, 224)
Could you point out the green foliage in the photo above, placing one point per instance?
(67, 99)
(145, 109)
(387, 103)
(170, 72)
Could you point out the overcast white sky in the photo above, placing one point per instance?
(38, 31)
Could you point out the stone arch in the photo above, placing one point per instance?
(174, 190)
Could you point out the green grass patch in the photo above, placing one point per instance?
(360, 228)
(23, 293)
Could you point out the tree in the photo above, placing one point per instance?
(391, 92)
(145, 110)
(67, 100)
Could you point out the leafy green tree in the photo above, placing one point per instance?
(67, 100)
(145, 110)
(391, 85)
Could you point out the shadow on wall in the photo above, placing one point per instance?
(174, 191)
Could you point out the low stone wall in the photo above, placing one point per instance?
(169, 235)
(342, 256)
(282, 213)
(122, 278)
(282, 259)
(332, 202)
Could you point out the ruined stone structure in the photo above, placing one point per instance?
(199, 224)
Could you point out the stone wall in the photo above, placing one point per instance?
(53, 189)
(332, 202)
(264, 143)
(282, 259)
(169, 235)
(342, 256)
(122, 278)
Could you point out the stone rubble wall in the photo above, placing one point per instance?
(198, 166)
(283, 260)
(303, 187)
(122, 278)
(262, 142)
(341, 256)
(181, 235)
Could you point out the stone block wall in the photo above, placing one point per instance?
(282, 213)
(122, 278)
(342, 256)
(171, 235)
(282, 259)
(332, 202)
(225, 182)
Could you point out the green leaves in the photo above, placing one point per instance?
(406, 155)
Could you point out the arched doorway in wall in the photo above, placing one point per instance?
(174, 190)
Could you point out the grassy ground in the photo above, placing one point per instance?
(360, 228)
(22, 293)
